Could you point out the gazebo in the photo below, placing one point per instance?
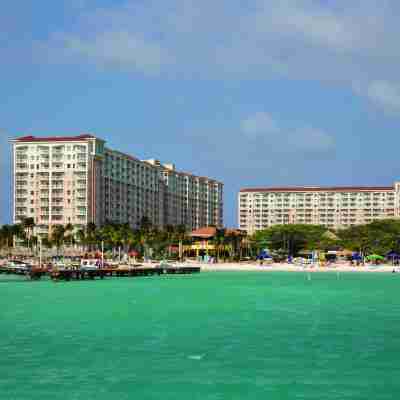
(204, 241)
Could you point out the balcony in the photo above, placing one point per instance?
(58, 150)
(19, 166)
(57, 157)
(21, 184)
(57, 184)
(79, 148)
(81, 165)
(80, 184)
(57, 202)
(19, 216)
(21, 200)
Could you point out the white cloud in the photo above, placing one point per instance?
(261, 127)
(120, 49)
(341, 42)
(310, 23)
(385, 94)
(312, 139)
(260, 123)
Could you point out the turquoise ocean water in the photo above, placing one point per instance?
(206, 336)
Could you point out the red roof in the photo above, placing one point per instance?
(319, 189)
(206, 232)
(211, 231)
(54, 138)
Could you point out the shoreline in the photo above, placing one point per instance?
(231, 267)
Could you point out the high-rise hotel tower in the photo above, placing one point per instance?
(334, 207)
(77, 180)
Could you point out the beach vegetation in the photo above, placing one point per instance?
(290, 239)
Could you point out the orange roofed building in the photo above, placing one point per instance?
(210, 240)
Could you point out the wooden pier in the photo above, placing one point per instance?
(82, 273)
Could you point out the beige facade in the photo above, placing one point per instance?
(77, 180)
(190, 200)
(334, 207)
(57, 180)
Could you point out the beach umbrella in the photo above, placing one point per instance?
(375, 257)
(263, 254)
(392, 255)
(356, 257)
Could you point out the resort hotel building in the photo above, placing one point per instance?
(78, 180)
(334, 207)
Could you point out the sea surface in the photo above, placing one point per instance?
(217, 335)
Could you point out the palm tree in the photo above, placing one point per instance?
(81, 237)
(90, 235)
(145, 234)
(28, 224)
(145, 224)
(17, 232)
(6, 236)
(231, 241)
(58, 236)
(219, 241)
(127, 237)
(69, 233)
(181, 234)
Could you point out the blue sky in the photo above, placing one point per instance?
(255, 93)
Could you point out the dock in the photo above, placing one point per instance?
(101, 273)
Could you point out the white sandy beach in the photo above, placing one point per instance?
(294, 268)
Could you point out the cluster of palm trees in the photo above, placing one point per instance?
(231, 244)
(147, 239)
(22, 232)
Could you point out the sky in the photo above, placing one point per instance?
(252, 93)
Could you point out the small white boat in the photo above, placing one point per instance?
(19, 267)
(90, 264)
